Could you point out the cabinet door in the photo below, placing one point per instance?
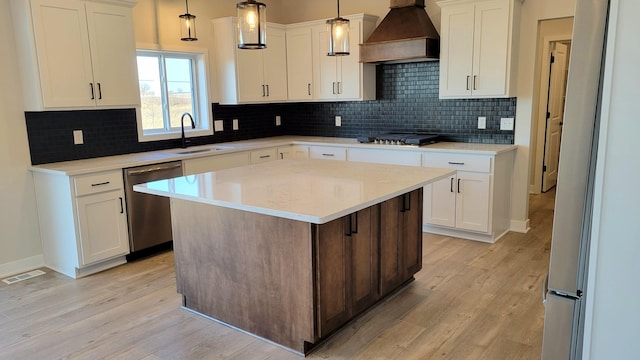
(251, 87)
(300, 64)
(325, 67)
(110, 33)
(64, 57)
(473, 201)
(391, 247)
(102, 223)
(347, 268)
(412, 232)
(490, 48)
(456, 50)
(275, 66)
(349, 67)
(440, 202)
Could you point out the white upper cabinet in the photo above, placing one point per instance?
(300, 63)
(75, 54)
(477, 48)
(343, 77)
(249, 76)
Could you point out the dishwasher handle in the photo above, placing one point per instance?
(153, 169)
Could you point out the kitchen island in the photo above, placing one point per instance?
(292, 250)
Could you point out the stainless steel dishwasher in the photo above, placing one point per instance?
(149, 216)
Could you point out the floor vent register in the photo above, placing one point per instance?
(28, 275)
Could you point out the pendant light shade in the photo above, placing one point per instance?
(252, 25)
(187, 25)
(339, 35)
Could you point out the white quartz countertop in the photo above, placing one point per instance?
(79, 167)
(315, 191)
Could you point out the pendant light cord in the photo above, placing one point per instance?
(186, 3)
(338, 8)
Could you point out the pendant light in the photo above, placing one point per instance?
(339, 35)
(187, 25)
(252, 23)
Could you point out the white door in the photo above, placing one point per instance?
(300, 64)
(113, 54)
(349, 69)
(64, 56)
(251, 87)
(103, 226)
(555, 116)
(275, 66)
(473, 193)
(491, 36)
(456, 50)
(326, 74)
(439, 206)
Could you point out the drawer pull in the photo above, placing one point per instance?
(455, 163)
(101, 184)
(328, 154)
(265, 156)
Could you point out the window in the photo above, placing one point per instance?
(171, 84)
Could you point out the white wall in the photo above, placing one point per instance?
(20, 247)
(613, 294)
(532, 13)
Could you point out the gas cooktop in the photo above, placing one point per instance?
(400, 138)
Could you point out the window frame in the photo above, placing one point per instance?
(200, 90)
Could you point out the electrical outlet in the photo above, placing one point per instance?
(218, 125)
(78, 138)
(235, 124)
(506, 124)
(278, 120)
(482, 122)
(338, 120)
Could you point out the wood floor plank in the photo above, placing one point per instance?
(470, 301)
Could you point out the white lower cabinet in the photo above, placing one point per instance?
(327, 153)
(83, 221)
(475, 202)
(293, 152)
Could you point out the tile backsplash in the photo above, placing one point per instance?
(407, 101)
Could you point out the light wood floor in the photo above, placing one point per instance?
(470, 301)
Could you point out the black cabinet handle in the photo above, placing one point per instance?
(267, 90)
(328, 154)
(99, 91)
(309, 89)
(93, 95)
(354, 225)
(459, 186)
(349, 226)
(452, 185)
(404, 204)
(265, 156)
(102, 183)
(281, 156)
(408, 202)
(455, 163)
(121, 207)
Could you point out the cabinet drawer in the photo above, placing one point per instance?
(380, 156)
(96, 183)
(328, 153)
(260, 156)
(477, 163)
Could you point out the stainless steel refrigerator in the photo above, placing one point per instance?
(564, 300)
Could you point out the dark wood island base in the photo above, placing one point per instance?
(293, 282)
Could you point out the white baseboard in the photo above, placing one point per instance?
(22, 265)
(520, 226)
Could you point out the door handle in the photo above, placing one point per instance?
(459, 186)
(468, 82)
(339, 87)
(99, 91)
(349, 225)
(452, 185)
(334, 87)
(93, 94)
(407, 202)
(475, 77)
(121, 206)
(267, 90)
(545, 288)
(354, 224)
(263, 92)
(309, 89)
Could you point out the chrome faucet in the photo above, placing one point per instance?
(193, 126)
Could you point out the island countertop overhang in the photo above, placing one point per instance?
(314, 191)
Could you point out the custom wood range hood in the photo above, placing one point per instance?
(406, 34)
